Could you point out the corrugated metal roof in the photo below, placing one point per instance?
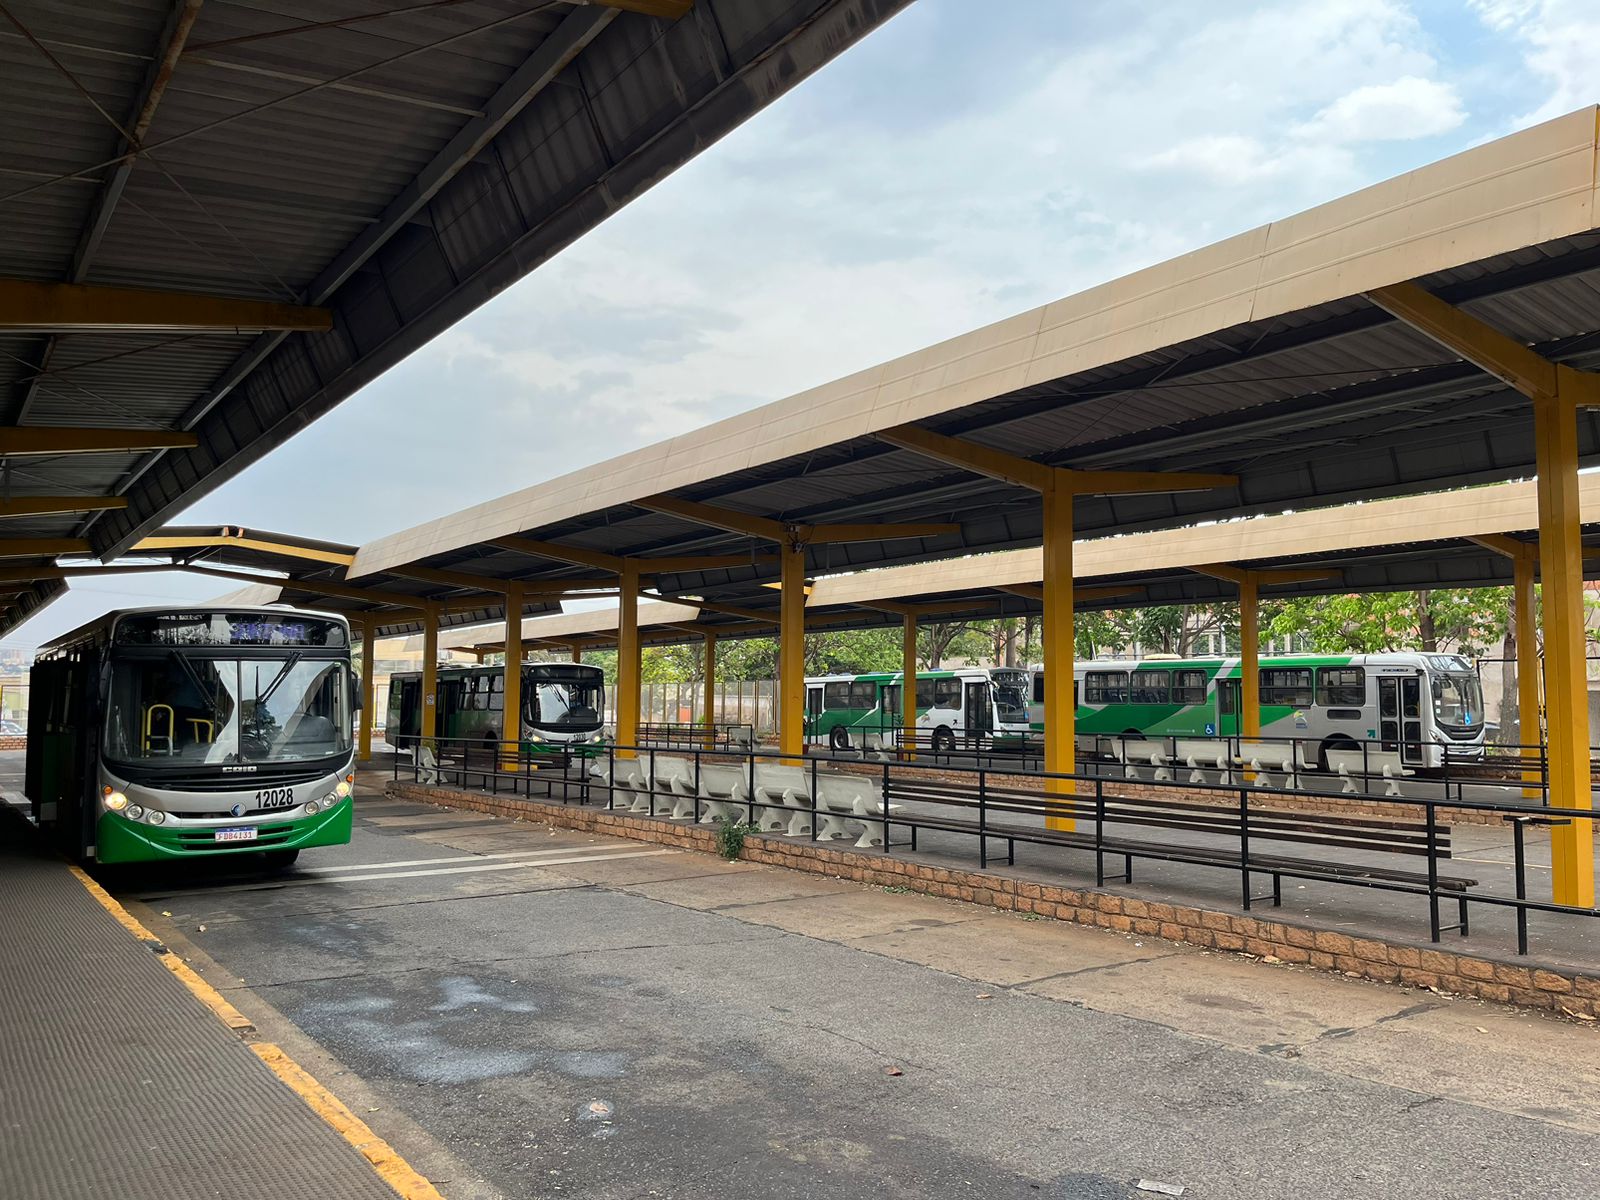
(291, 132)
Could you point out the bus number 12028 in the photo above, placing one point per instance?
(275, 798)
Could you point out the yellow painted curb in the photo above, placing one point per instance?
(391, 1168)
(384, 1159)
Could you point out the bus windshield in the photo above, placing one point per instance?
(566, 703)
(1011, 701)
(182, 709)
(1458, 701)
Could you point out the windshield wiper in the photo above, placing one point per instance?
(277, 680)
(211, 697)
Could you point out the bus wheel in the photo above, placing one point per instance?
(943, 741)
(838, 738)
(1340, 742)
(279, 860)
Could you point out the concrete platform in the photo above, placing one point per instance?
(116, 1081)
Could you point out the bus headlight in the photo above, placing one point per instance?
(115, 801)
(536, 738)
(155, 816)
(312, 808)
(133, 812)
(342, 789)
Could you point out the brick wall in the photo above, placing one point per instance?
(13, 741)
(1521, 983)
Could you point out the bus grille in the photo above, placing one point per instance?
(211, 781)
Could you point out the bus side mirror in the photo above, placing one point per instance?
(355, 694)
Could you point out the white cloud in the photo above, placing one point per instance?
(1407, 108)
(1559, 40)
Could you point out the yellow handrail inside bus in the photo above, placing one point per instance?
(210, 730)
(150, 735)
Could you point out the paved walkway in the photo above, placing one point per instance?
(116, 1081)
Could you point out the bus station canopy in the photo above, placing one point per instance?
(1386, 545)
(1263, 358)
(221, 219)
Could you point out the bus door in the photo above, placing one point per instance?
(1400, 715)
(813, 708)
(1228, 707)
(976, 709)
(410, 707)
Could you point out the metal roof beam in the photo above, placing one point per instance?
(17, 440)
(670, 10)
(1041, 477)
(41, 506)
(286, 549)
(27, 305)
(782, 532)
(1230, 574)
(41, 547)
(1504, 544)
(1507, 359)
(552, 56)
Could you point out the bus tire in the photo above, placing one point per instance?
(839, 738)
(943, 740)
(1338, 741)
(279, 860)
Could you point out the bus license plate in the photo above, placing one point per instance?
(247, 834)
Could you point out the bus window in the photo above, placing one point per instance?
(1188, 687)
(889, 701)
(1038, 687)
(938, 693)
(1227, 696)
(1290, 686)
(814, 700)
(1151, 687)
(1344, 687)
(1105, 687)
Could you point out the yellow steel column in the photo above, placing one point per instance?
(1060, 709)
(1566, 676)
(628, 667)
(1525, 614)
(430, 669)
(792, 650)
(710, 697)
(1249, 657)
(369, 646)
(908, 681)
(577, 653)
(511, 701)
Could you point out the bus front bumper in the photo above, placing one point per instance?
(119, 840)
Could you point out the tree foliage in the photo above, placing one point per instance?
(1461, 620)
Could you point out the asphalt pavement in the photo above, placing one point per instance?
(528, 1012)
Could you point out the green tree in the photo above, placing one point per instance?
(1462, 620)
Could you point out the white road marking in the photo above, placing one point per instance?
(497, 866)
(303, 880)
(457, 858)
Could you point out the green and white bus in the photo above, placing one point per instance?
(563, 706)
(952, 706)
(162, 734)
(1421, 705)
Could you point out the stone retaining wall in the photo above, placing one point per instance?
(1522, 983)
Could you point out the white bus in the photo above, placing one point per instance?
(959, 705)
(1421, 705)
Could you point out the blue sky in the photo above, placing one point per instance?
(948, 171)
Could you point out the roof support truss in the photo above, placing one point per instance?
(1507, 359)
(25, 304)
(40, 506)
(18, 440)
(786, 533)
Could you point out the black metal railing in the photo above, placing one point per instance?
(822, 797)
(686, 736)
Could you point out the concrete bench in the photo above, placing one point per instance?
(675, 777)
(1206, 754)
(724, 792)
(1132, 753)
(1352, 765)
(1264, 758)
(784, 797)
